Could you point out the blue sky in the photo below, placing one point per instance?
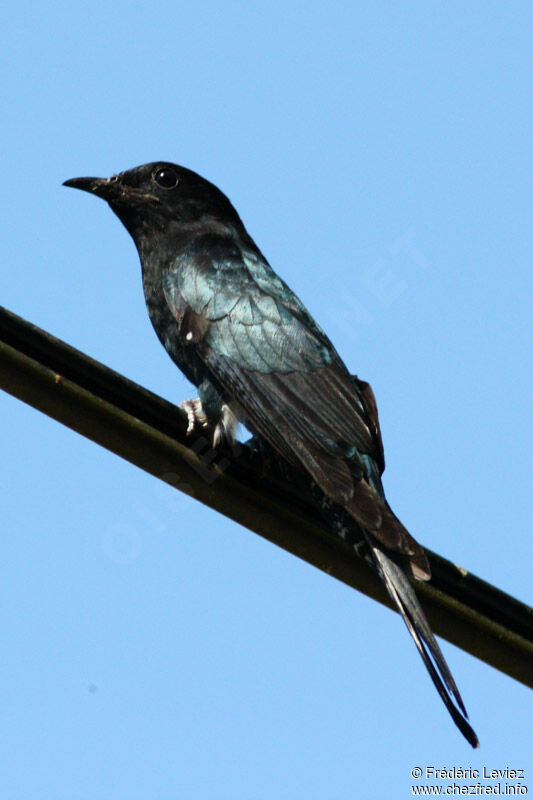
(378, 154)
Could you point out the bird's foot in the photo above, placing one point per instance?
(196, 416)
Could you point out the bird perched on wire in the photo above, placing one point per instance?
(257, 356)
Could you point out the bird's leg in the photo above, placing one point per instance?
(196, 416)
(211, 415)
(224, 432)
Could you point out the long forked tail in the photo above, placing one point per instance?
(404, 597)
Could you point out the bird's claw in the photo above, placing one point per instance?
(196, 416)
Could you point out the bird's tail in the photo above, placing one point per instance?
(404, 598)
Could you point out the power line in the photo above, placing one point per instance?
(150, 432)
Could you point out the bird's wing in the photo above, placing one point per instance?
(265, 350)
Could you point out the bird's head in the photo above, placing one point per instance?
(160, 197)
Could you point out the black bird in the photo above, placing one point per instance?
(257, 356)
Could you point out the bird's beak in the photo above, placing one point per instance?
(107, 188)
(113, 190)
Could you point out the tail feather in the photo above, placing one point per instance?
(404, 597)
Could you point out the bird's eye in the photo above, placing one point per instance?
(166, 177)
